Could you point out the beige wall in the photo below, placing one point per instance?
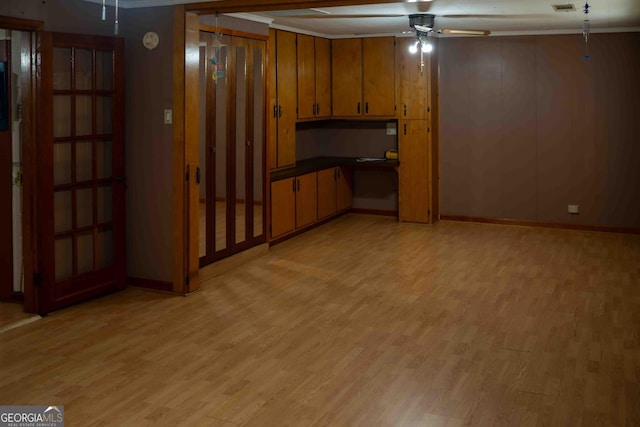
(148, 141)
(528, 127)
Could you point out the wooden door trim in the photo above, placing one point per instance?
(30, 111)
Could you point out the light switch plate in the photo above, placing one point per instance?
(168, 116)
(573, 209)
(391, 129)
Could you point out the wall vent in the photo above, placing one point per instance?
(569, 7)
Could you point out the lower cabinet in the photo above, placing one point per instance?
(306, 199)
(335, 191)
(303, 200)
(283, 206)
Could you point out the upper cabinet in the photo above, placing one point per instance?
(346, 82)
(314, 77)
(411, 81)
(363, 76)
(283, 97)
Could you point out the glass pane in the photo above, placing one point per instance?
(220, 153)
(104, 159)
(63, 258)
(61, 163)
(240, 142)
(104, 70)
(85, 252)
(105, 248)
(84, 207)
(84, 119)
(105, 203)
(84, 161)
(202, 151)
(61, 116)
(258, 139)
(62, 211)
(84, 69)
(61, 68)
(103, 114)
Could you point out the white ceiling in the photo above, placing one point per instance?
(501, 17)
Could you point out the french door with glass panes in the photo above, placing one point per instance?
(232, 145)
(81, 184)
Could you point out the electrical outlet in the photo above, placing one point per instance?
(573, 209)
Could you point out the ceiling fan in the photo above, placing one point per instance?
(423, 23)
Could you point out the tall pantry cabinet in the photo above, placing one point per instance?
(416, 110)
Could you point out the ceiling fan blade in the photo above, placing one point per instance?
(498, 16)
(465, 32)
(329, 16)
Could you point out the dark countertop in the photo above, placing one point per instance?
(318, 163)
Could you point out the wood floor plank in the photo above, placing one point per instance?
(360, 322)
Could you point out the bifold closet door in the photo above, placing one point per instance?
(232, 149)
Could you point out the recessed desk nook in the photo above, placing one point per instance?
(340, 167)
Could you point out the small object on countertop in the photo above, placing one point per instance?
(370, 159)
(391, 154)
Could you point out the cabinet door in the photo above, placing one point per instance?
(287, 98)
(344, 188)
(327, 192)
(378, 75)
(283, 207)
(272, 113)
(411, 81)
(306, 199)
(306, 77)
(323, 77)
(346, 74)
(413, 153)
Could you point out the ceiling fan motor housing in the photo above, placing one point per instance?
(422, 20)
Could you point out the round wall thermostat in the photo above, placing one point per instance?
(150, 40)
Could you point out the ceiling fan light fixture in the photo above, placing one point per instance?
(413, 48)
(427, 47)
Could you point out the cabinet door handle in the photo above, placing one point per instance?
(405, 128)
(298, 185)
(405, 110)
(275, 111)
(318, 109)
(280, 111)
(314, 109)
(358, 108)
(366, 108)
(335, 174)
(294, 184)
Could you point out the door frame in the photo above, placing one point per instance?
(30, 84)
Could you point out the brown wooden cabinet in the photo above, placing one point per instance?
(306, 199)
(363, 73)
(417, 169)
(411, 82)
(283, 98)
(327, 194)
(314, 77)
(378, 70)
(335, 192)
(283, 206)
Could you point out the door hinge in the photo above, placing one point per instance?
(186, 176)
(37, 280)
(186, 281)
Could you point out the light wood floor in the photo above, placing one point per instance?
(360, 322)
(12, 313)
